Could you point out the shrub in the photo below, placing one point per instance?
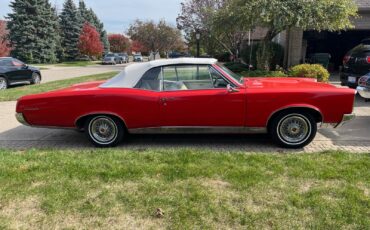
(237, 67)
(263, 73)
(311, 71)
(252, 54)
(223, 57)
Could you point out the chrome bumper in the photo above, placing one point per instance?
(346, 118)
(21, 119)
(364, 92)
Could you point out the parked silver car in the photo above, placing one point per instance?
(112, 59)
(138, 58)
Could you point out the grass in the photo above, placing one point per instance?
(196, 189)
(70, 64)
(13, 94)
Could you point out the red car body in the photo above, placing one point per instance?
(248, 108)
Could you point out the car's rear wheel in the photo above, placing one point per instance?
(104, 131)
(293, 130)
(36, 79)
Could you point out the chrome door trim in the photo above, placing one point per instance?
(19, 82)
(199, 130)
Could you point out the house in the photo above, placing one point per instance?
(300, 44)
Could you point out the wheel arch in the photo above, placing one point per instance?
(80, 121)
(315, 112)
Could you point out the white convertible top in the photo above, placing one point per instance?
(132, 74)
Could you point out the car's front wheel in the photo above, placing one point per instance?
(293, 130)
(36, 79)
(3, 83)
(104, 131)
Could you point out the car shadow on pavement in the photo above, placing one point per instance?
(26, 138)
(354, 134)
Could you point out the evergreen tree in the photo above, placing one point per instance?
(70, 27)
(32, 31)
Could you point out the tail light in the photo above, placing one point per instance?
(368, 59)
(346, 59)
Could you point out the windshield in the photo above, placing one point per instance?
(233, 75)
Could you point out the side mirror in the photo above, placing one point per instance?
(25, 66)
(231, 89)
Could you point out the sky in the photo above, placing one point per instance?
(118, 14)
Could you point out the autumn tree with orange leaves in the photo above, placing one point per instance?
(4, 43)
(90, 43)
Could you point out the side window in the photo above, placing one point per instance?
(186, 77)
(217, 79)
(17, 63)
(151, 80)
(6, 62)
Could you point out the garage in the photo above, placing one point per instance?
(337, 44)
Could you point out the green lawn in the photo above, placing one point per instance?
(197, 189)
(13, 94)
(70, 64)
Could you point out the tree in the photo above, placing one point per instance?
(33, 31)
(89, 42)
(70, 27)
(136, 46)
(118, 43)
(88, 15)
(279, 15)
(159, 37)
(200, 16)
(4, 42)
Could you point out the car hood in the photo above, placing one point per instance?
(33, 68)
(108, 58)
(278, 83)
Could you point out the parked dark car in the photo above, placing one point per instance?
(124, 57)
(112, 59)
(356, 64)
(175, 54)
(15, 72)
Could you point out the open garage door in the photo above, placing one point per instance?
(336, 44)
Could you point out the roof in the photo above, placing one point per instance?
(132, 74)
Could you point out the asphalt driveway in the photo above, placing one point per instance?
(354, 136)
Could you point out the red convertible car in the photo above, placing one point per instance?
(190, 95)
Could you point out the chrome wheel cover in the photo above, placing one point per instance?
(3, 84)
(294, 129)
(103, 130)
(36, 78)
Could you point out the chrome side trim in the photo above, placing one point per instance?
(198, 130)
(19, 82)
